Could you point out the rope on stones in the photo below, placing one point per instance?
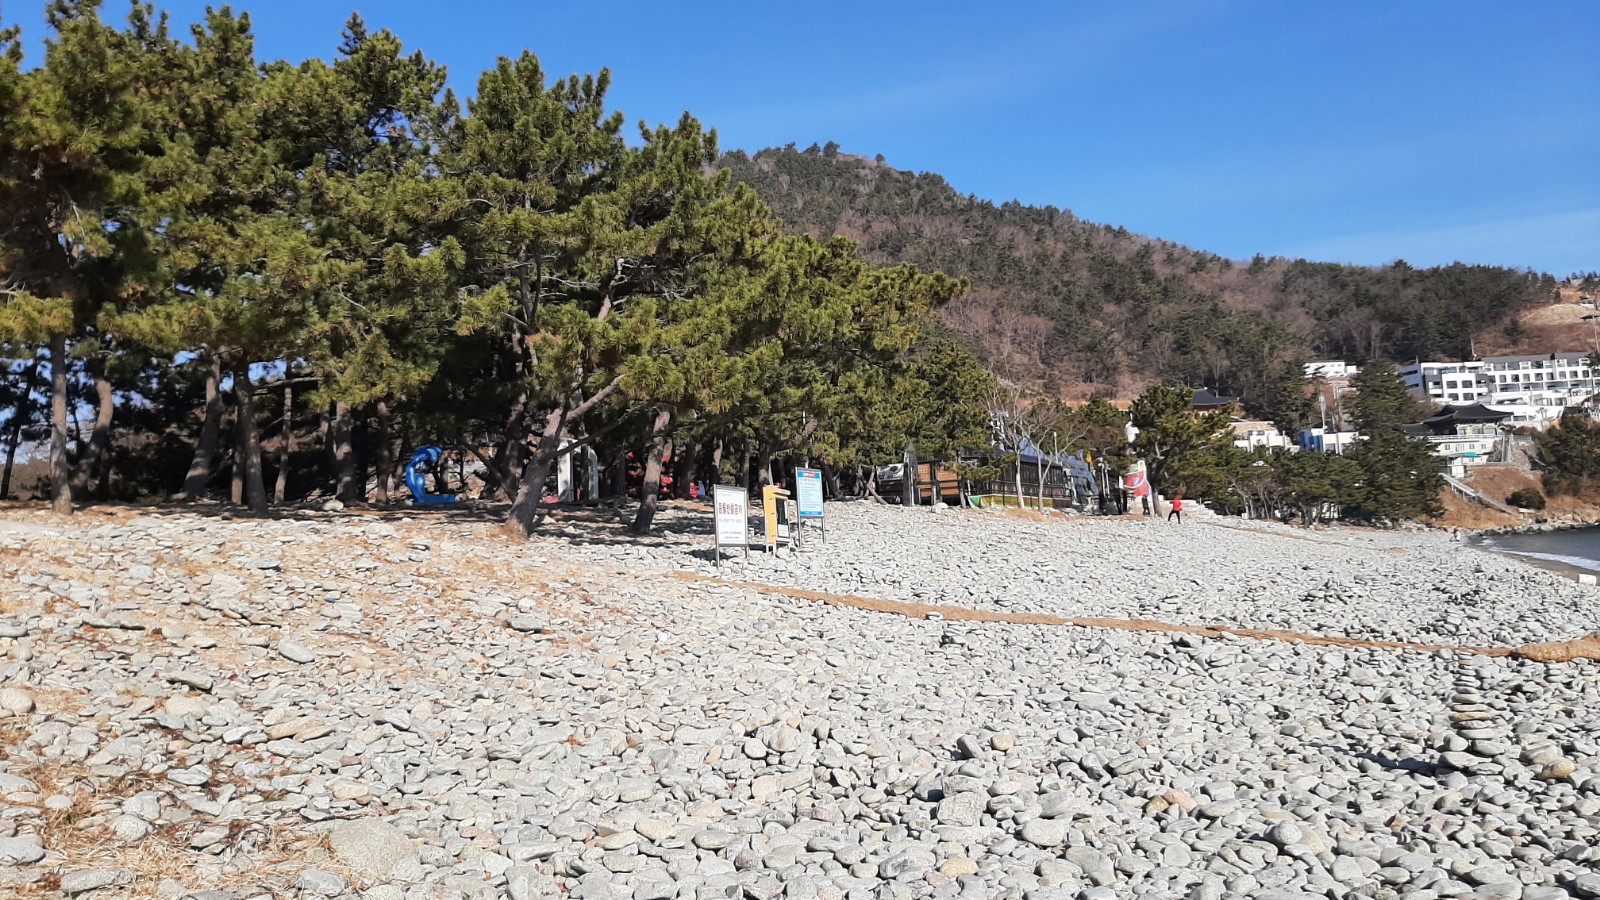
(1587, 647)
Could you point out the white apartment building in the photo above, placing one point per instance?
(1535, 389)
(1252, 434)
(1453, 382)
(1324, 440)
(1331, 368)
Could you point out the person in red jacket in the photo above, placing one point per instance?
(1177, 509)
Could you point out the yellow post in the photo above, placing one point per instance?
(773, 509)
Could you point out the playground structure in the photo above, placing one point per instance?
(422, 461)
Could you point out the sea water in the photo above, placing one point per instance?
(1578, 548)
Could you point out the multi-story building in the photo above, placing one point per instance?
(1330, 369)
(1253, 434)
(1537, 389)
(1465, 435)
(1534, 389)
(1453, 382)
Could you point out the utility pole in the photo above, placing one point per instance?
(1594, 330)
(1322, 406)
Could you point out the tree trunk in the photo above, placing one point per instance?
(508, 456)
(1022, 499)
(88, 481)
(385, 461)
(205, 451)
(361, 440)
(684, 460)
(765, 473)
(619, 475)
(248, 455)
(19, 419)
(650, 491)
(236, 478)
(1043, 471)
(60, 469)
(530, 493)
(908, 483)
(343, 455)
(11, 459)
(324, 440)
(98, 466)
(282, 486)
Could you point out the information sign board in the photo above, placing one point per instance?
(732, 506)
(808, 492)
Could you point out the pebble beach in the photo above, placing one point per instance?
(403, 705)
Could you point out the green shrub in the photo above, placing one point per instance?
(1527, 498)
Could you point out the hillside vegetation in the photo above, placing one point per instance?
(1062, 302)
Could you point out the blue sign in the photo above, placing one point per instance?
(808, 492)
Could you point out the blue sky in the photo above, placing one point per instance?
(1353, 131)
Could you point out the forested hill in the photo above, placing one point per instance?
(1061, 302)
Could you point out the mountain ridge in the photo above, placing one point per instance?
(1072, 305)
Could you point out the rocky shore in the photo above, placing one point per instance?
(413, 706)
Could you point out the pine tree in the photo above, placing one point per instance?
(1569, 454)
(1381, 401)
(76, 138)
(1401, 477)
(370, 124)
(209, 174)
(828, 335)
(1181, 448)
(541, 164)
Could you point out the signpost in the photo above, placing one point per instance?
(732, 505)
(808, 494)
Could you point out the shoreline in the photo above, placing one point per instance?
(1538, 526)
(1586, 575)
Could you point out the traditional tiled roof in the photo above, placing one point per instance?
(1205, 399)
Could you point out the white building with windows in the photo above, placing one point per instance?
(1258, 434)
(1534, 389)
(1331, 368)
(1465, 436)
(1537, 389)
(1454, 382)
(1326, 440)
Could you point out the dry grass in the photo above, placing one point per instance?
(1553, 327)
(1585, 505)
(258, 853)
(1459, 512)
(1500, 481)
